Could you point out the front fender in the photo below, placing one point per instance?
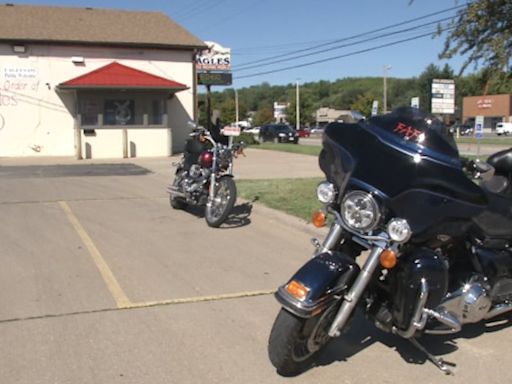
(325, 276)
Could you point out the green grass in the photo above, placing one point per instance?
(313, 150)
(484, 140)
(296, 197)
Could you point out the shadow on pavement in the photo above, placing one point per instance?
(239, 216)
(361, 334)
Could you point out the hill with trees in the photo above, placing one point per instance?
(347, 93)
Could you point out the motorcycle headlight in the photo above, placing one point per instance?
(360, 211)
(399, 230)
(326, 192)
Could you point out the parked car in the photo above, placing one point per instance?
(463, 129)
(278, 133)
(254, 130)
(303, 132)
(318, 130)
(503, 129)
(466, 130)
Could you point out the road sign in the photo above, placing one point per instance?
(479, 127)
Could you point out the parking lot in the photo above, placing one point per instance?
(102, 282)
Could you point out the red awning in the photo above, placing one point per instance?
(119, 76)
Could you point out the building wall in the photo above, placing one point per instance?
(494, 108)
(38, 120)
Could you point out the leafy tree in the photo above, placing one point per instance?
(264, 115)
(483, 32)
(364, 104)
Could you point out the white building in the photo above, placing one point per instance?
(94, 83)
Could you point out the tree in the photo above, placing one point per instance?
(264, 115)
(483, 32)
(364, 104)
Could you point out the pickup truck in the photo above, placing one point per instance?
(503, 129)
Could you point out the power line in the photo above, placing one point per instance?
(344, 45)
(349, 37)
(201, 9)
(337, 57)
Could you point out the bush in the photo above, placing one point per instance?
(247, 138)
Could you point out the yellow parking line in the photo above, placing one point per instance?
(198, 299)
(117, 292)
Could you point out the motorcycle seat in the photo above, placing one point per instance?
(496, 221)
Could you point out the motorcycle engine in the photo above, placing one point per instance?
(470, 303)
(195, 179)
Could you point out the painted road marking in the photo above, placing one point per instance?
(149, 304)
(110, 280)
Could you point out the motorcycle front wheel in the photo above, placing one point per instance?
(294, 341)
(218, 209)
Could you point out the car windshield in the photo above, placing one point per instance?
(282, 129)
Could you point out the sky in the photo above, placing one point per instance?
(300, 41)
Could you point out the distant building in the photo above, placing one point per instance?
(94, 83)
(280, 111)
(494, 108)
(325, 116)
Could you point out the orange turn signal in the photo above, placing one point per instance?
(297, 290)
(388, 258)
(318, 219)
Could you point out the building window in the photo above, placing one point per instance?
(156, 115)
(119, 112)
(89, 110)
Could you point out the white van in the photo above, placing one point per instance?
(503, 129)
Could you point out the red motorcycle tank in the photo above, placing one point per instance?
(206, 159)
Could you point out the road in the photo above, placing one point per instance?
(102, 282)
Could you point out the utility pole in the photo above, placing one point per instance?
(236, 108)
(385, 101)
(297, 101)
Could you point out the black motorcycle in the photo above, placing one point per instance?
(437, 246)
(204, 177)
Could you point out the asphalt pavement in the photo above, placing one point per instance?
(102, 282)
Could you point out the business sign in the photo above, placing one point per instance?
(443, 96)
(231, 130)
(214, 78)
(214, 58)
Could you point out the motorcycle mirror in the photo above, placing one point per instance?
(192, 124)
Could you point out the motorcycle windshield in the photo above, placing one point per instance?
(420, 178)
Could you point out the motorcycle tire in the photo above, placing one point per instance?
(294, 342)
(225, 196)
(176, 202)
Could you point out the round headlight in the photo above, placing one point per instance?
(360, 211)
(399, 230)
(326, 192)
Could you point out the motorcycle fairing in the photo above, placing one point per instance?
(325, 275)
(407, 174)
